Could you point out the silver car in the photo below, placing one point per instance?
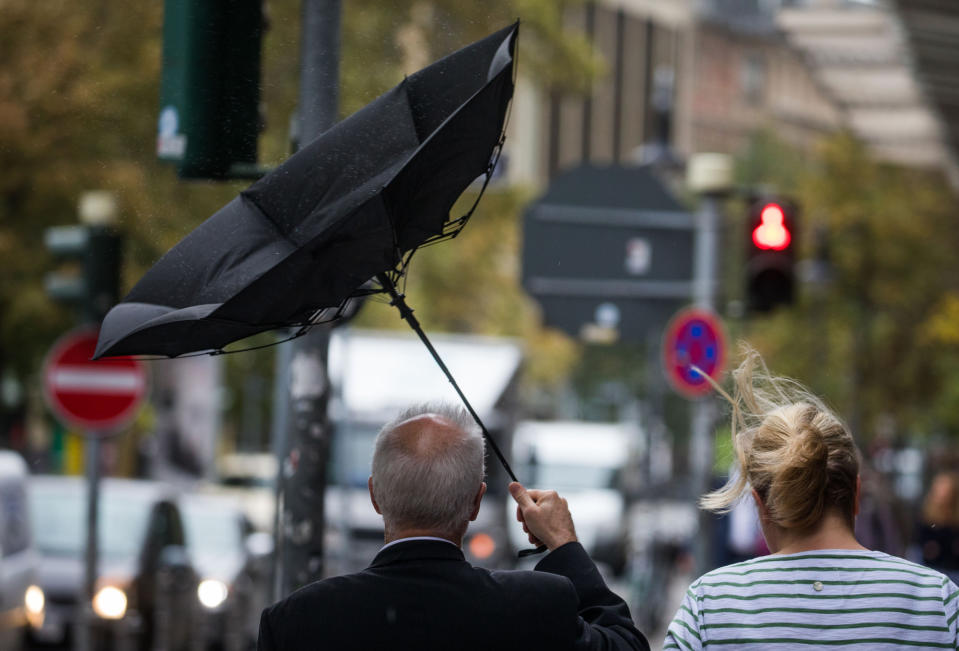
(21, 601)
(233, 563)
(145, 584)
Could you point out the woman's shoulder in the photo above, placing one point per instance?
(820, 562)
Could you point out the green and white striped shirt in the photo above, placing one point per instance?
(819, 599)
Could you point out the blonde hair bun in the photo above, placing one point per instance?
(794, 451)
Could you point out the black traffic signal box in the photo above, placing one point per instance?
(88, 274)
(771, 242)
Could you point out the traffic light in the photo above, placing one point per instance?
(770, 258)
(88, 276)
(210, 89)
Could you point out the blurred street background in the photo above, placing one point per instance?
(788, 166)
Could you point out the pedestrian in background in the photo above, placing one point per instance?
(879, 524)
(420, 593)
(819, 586)
(937, 534)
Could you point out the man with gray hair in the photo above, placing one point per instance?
(420, 593)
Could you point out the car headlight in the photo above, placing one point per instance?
(34, 602)
(110, 602)
(211, 593)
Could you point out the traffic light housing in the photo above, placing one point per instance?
(88, 274)
(770, 260)
(210, 88)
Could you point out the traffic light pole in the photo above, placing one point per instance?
(703, 410)
(305, 439)
(98, 211)
(710, 175)
(705, 280)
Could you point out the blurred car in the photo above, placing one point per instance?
(233, 562)
(145, 586)
(21, 601)
(585, 463)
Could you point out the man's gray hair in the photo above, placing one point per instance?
(434, 491)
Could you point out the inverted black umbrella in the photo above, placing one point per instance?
(348, 209)
(352, 204)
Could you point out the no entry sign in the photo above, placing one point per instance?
(694, 337)
(97, 396)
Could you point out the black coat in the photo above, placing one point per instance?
(424, 595)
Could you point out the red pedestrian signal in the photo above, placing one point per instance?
(772, 233)
(770, 254)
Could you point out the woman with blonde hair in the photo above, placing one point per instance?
(819, 587)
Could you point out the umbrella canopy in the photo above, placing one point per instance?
(348, 207)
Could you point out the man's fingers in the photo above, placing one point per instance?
(544, 514)
(521, 496)
(536, 494)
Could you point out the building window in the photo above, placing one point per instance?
(752, 77)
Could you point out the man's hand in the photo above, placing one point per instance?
(545, 516)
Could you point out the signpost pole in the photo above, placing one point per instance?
(90, 565)
(705, 273)
(711, 176)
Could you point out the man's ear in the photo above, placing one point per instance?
(376, 507)
(477, 500)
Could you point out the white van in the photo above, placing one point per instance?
(21, 602)
(585, 463)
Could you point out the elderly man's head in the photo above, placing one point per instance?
(428, 468)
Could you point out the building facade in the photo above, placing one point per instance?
(706, 75)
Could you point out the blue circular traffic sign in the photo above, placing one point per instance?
(694, 339)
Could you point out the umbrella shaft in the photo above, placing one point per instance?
(406, 313)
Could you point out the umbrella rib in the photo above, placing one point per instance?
(453, 227)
